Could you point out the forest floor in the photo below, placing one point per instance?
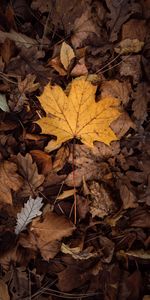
(74, 149)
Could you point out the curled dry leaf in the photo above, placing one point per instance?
(76, 253)
(43, 161)
(78, 115)
(49, 230)
(9, 180)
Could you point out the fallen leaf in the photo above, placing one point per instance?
(101, 203)
(18, 38)
(56, 64)
(66, 55)
(30, 210)
(83, 28)
(78, 115)
(66, 194)
(122, 125)
(131, 66)
(87, 166)
(141, 99)
(134, 29)
(28, 85)
(71, 278)
(129, 46)
(4, 295)
(3, 103)
(117, 89)
(128, 198)
(76, 253)
(9, 180)
(28, 170)
(43, 161)
(60, 158)
(80, 68)
(119, 13)
(52, 228)
(7, 50)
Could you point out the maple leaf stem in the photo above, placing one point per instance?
(74, 184)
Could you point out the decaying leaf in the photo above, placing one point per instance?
(51, 229)
(78, 115)
(9, 180)
(66, 55)
(30, 210)
(129, 46)
(102, 203)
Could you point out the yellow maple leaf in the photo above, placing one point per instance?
(78, 115)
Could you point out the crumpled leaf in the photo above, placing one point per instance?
(102, 203)
(66, 55)
(78, 115)
(51, 229)
(30, 210)
(129, 46)
(76, 252)
(9, 180)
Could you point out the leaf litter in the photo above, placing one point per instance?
(74, 137)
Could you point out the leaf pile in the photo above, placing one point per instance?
(74, 146)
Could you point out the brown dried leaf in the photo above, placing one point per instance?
(84, 27)
(131, 66)
(128, 198)
(51, 229)
(140, 103)
(9, 180)
(117, 89)
(134, 29)
(29, 171)
(43, 161)
(102, 203)
(28, 85)
(80, 68)
(4, 295)
(7, 50)
(122, 125)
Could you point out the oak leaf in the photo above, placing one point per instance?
(78, 115)
(29, 171)
(30, 210)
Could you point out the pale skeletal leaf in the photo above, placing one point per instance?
(30, 210)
